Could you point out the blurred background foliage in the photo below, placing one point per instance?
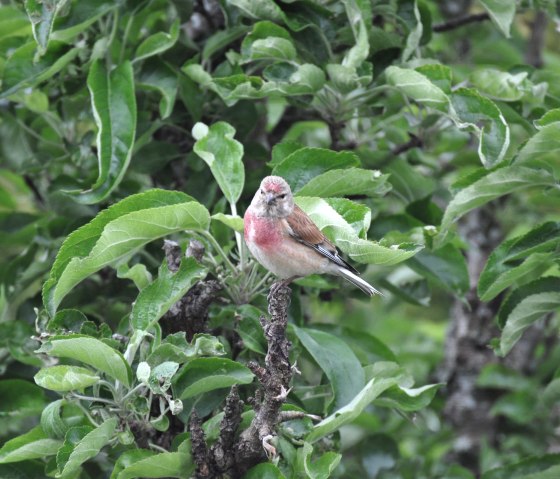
(447, 111)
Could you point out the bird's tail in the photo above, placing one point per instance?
(359, 282)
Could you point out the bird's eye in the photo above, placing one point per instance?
(262, 192)
(282, 196)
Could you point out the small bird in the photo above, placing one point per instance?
(285, 240)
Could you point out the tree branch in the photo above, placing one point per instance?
(459, 22)
(274, 377)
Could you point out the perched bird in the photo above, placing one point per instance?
(285, 240)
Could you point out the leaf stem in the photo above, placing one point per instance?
(240, 245)
(218, 249)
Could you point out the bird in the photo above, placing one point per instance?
(283, 239)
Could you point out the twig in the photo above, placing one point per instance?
(459, 22)
(223, 452)
(414, 142)
(200, 453)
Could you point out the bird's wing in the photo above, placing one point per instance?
(302, 229)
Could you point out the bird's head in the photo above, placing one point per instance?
(274, 198)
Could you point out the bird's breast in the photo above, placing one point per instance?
(262, 232)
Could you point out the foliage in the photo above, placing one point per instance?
(123, 123)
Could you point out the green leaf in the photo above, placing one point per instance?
(13, 23)
(138, 273)
(528, 255)
(89, 351)
(260, 10)
(221, 39)
(158, 42)
(501, 12)
(497, 183)
(114, 106)
(30, 398)
(233, 221)
(128, 458)
(418, 87)
(265, 470)
(446, 267)
(166, 464)
(207, 374)
(322, 467)
(42, 15)
(168, 288)
(359, 18)
(118, 232)
(34, 444)
(524, 306)
(472, 109)
(352, 410)
(408, 399)
(81, 444)
(81, 16)
(337, 360)
(158, 76)
(51, 420)
(410, 10)
(542, 467)
(65, 378)
(543, 143)
(304, 164)
(21, 71)
(337, 229)
(499, 85)
(349, 181)
(223, 154)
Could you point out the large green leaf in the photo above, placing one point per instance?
(304, 164)
(352, 410)
(344, 236)
(337, 360)
(117, 232)
(524, 306)
(501, 12)
(349, 181)
(542, 467)
(34, 444)
(544, 142)
(408, 399)
(497, 183)
(51, 420)
(13, 23)
(470, 109)
(268, 41)
(160, 77)
(158, 42)
(166, 464)
(65, 378)
(499, 85)
(206, 374)
(21, 71)
(42, 15)
(29, 400)
(81, 444)
(525, 256)
(446, 267)
(114, 107)
(320, 468)
(223, 154)
(265, 470)
(89, 351)
(418, 87)
(156, 298)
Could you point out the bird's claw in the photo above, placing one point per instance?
(269, 448)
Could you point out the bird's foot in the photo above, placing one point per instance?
(279, 285)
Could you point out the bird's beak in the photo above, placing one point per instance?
(270, 198)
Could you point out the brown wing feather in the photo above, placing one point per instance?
(307, 232)
(304, 228)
